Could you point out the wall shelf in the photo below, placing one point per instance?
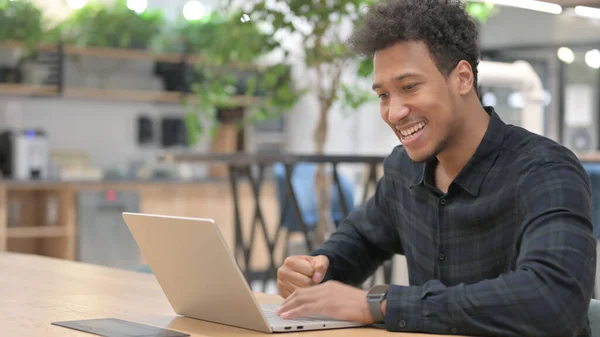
(60, 90)
(28, 90)
(39, 232)
(107, 94)
(124, 95)
(118, 53)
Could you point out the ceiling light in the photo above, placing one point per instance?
(489, 99)
(516, 100)
(193, 10)
(589, 12)
(138, 6)
(76, 4)
(592, 58)
(566, 55)
(534, 5)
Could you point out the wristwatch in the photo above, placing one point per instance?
(375, 296)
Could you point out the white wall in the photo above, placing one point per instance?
(358, 132)
(107, 130)
(514, 27)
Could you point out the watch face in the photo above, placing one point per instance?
(378, 290)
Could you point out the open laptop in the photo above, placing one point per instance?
(201, 279)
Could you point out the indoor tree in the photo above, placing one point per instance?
(226, 49)
(319, 31)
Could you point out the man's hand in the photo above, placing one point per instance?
(331, 299)
(300, 272)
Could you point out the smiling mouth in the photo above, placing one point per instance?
(412, 132)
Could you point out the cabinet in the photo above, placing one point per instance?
(103, 237)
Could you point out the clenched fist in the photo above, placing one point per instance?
(301, 271)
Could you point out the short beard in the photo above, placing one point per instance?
(438, 149)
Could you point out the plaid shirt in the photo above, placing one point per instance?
(508, 251)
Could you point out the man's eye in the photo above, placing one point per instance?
(383, 96)
(410, 86)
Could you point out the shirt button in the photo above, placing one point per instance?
(443, 201)
(402, 324)
(442, 256)
(454, 331)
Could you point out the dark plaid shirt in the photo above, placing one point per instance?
(508, 251)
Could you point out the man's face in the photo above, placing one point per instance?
(416, 100)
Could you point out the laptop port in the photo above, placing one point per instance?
(288, 328)
(300, 327)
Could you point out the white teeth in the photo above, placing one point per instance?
(410, 131)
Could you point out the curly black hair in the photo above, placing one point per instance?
(443, 25)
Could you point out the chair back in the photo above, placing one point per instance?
(303, 182)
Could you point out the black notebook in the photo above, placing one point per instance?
(112, 327)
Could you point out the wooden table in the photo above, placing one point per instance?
(36, 291)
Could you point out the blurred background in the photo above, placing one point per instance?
(205, 108)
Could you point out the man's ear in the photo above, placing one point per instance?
(465, 77)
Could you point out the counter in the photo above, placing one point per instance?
(41, 217)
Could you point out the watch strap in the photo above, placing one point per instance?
(375, 296)
(375, 309)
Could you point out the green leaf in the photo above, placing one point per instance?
(365, 67)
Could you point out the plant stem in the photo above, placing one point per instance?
(322, 180)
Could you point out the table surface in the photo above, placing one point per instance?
(37, 291)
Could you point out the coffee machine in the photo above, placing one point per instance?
(24, 154)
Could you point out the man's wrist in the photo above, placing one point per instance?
(366, 310)
(368, 318)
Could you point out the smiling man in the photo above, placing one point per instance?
(494, 221)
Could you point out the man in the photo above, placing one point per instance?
(495, 221)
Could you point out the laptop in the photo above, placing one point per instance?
(201, 279)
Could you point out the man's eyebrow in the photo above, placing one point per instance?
(397, 78)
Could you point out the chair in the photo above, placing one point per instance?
(303, 182)
(593, 171)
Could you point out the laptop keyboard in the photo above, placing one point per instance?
(270, 311)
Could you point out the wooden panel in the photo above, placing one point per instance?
(140, 95)
(58, 247)
(215, 201)
(3, 238)
(128, 95)
(38, 232)
(67, 217)
(24, 211)
(205, 200)
(29, 230)
(26, 90)
(123, 53)
(23, 245)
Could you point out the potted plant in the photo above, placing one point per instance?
(232, 83)
(115, 25)
(19, 21)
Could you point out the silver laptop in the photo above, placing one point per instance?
(201, 279)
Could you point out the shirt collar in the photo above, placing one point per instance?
(471, 176)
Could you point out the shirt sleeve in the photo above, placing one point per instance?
(548, 293)
(363, 241)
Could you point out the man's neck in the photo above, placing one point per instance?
(465, 143)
